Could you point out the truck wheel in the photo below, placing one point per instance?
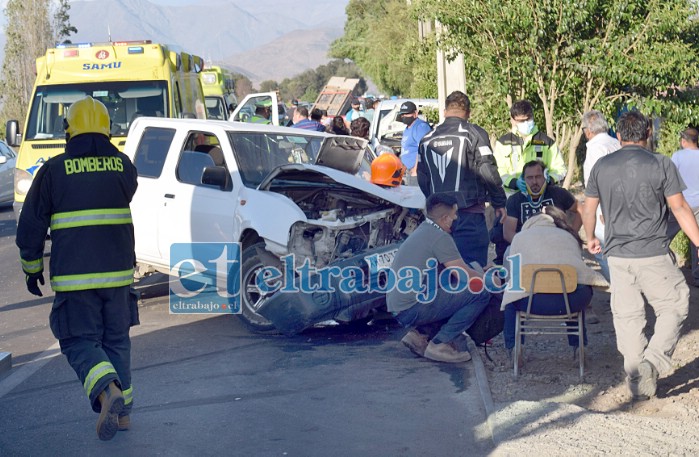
(251, 297)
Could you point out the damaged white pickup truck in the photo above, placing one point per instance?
(277, 191)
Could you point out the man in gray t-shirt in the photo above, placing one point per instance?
(431, 247)
(636, 190)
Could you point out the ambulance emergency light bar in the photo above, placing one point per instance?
(108, 43)
(71, 49)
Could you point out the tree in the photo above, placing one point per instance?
(28, 36)
(268, 86)
(243, 85)
(61, 22)
(307, 85)
(381, 37)
(570, 57)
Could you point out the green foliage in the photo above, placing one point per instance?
(423, 61)
(29, 33)
(680, 246)
(568, 57)
(269, 86)
(307, 85)
(242, 84)
(61, 22)
(381, 37)
(431, 114)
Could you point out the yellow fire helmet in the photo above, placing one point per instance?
(87, 116)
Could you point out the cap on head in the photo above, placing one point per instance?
(387, 170)
(407, 108)
(264, 103)
(87, 116)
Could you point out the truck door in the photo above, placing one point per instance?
(147, 205)
(193, 210)
(252, 109)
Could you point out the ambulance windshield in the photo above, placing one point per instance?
(125, 101)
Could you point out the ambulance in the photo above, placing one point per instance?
(131, 78)
(219, 92)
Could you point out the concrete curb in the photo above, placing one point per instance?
(5, 362)
(27, 369)
(484, 388)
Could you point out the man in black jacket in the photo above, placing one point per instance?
(83, 196)
(455, 158)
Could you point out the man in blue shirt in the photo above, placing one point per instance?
(415, 129)
(687, 162)
(301, 121)
(355, 112)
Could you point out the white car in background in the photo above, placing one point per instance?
(386, 127)
(8, 158)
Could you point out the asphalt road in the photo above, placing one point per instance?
(205, 385)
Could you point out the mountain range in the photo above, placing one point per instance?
(263, 39)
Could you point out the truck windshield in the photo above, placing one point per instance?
(257, 154)
(125, 101)
(216, 108)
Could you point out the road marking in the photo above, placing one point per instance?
(28, 369)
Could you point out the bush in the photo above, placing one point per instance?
(681, 246)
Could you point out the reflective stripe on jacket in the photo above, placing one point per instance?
(83, 196)
(513, 151)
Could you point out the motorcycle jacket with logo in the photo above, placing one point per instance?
(83, 196)
(455, 158)
(512, 151)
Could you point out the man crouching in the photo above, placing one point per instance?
(432, 243)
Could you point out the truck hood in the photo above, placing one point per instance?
(344, 153)
(405, 196)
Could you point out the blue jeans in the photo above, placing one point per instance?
(459, 309)
(498, 239)
(603, 264)
(470, 234)
(548, 304)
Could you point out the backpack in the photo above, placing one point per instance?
(489, 323)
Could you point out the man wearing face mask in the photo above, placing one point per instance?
(521, 145)
(415, 129)
(526, 143)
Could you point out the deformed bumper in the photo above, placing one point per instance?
(293, 312)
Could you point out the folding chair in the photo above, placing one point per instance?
(549, 279)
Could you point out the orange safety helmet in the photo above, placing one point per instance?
(387, 170)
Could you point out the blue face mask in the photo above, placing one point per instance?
(526, 127)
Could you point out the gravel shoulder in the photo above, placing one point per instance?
(549, 410)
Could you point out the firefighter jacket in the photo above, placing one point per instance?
(512, 151)
(83, 196)
(456, 158)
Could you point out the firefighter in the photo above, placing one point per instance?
(83, 196)
(387, 170)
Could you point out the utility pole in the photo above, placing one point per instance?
(451, 75)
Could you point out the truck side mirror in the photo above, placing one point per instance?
(217, 176)
(12, 136)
